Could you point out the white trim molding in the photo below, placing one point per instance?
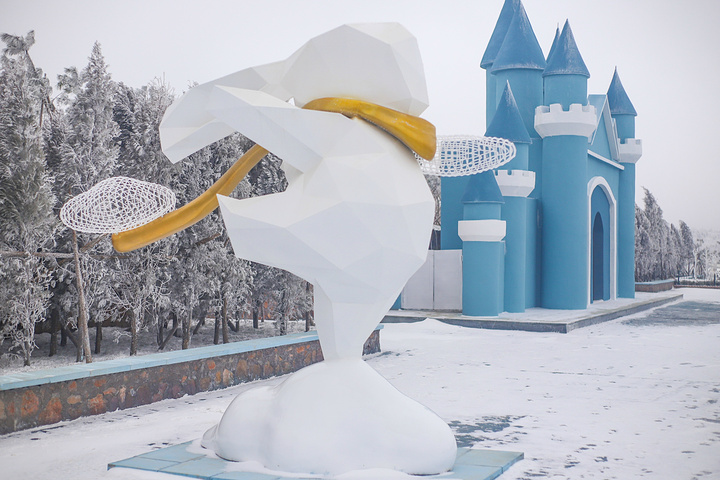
(515, 183)
(630, 150)
(491, 230)
(602, 183)
(553, 121)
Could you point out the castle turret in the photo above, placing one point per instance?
(554, 44)
(621, 108)
(514, 55)
(629, 152)
(482, 231)
(516, 183)
(520, 62)
(565, 76)
(566, 123)
(491, 51)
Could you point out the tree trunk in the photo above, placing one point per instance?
(216, 332)
(176, 325)
(133, 334)
(98, 336)
(82, 308)
(283, 309)
(308, 321)
(63, 337)
(160, 328)
(26, 353)
(54, 328)
(256, 315)
(186, 329)
(200, 323)
(308, 313)
(226, 338)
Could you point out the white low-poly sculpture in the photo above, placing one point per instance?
(355, 221)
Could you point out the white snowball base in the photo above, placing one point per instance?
(330, 418)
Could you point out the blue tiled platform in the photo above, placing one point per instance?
(543, 319)
(178, 460)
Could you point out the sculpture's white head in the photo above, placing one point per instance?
(378, 63)
(375, 62)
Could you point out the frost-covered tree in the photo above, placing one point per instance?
(687, 250)
(86, 154)
(675, 241)
(643, 247)
(661, 250)
(143, 273)
(26, 199)
(90, 152)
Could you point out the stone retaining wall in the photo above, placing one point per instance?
(654, 287)
(37, 398)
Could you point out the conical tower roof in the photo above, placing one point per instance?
(498, 35)
(520, 48)
(483, 188)
(555, 41)
(507, 122)
(565, 58)
(618, 99)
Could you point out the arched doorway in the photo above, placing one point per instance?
(597, 258)
(600, 245)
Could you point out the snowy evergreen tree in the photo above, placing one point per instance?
(90, 152)
(661, 250)
(26, 199)
(675, 242)
(687, 250)
(143, 273)
(86, 154)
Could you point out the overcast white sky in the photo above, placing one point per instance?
(666, 52)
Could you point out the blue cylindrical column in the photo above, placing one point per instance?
(514, 214)
(629, 151)
(533, 255)
(565, 223)
(483, 283)
(482, 232)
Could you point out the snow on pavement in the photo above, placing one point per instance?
(620, 400)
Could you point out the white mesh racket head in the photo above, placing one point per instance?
(460, 155)
(117, 204)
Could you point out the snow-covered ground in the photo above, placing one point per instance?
(619, 400)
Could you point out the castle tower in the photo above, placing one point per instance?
(482, 232)
(630, 151)
(565, 123)
(496, 40)
(554, 43)
(520, 62)
(453, 188)
(513, 55)
(516, 183)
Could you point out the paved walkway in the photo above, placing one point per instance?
(544, 319)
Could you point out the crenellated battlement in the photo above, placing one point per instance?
(578, 120)
(515, 183)
(630, 150)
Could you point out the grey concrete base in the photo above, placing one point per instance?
(543, 319)
(188, 460)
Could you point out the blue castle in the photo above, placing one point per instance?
(554, 227)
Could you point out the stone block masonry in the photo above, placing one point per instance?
(45, 397)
